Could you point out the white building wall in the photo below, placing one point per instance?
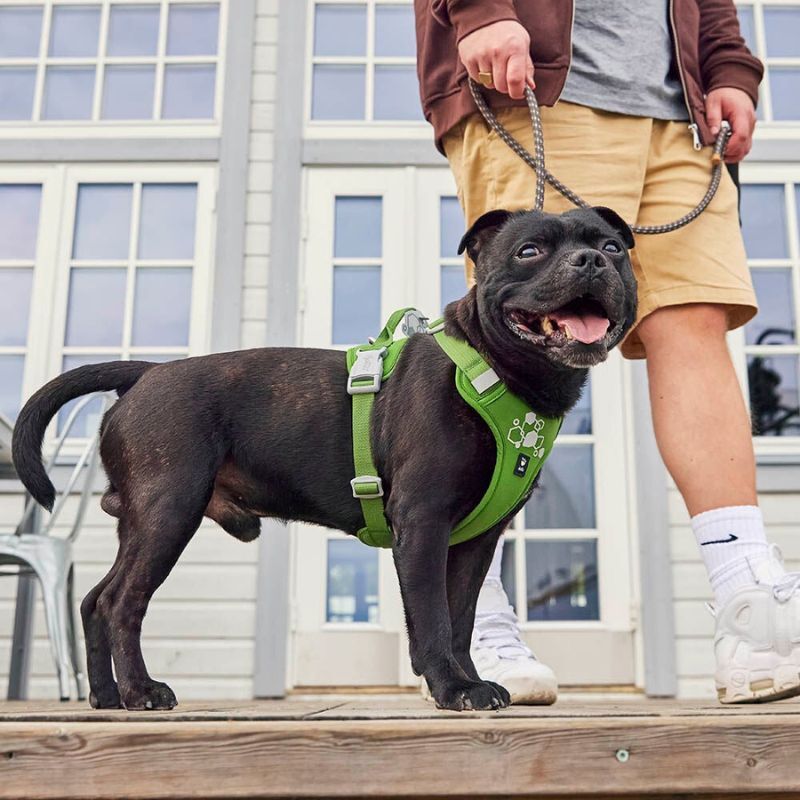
(694, 625)
(259, 179)
(199, 633)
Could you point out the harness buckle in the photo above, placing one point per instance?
(414, 322)
(367, 487)
(366, 373)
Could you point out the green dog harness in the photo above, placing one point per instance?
(524, 438)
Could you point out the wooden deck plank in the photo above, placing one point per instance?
(339, 747)
(487, 757)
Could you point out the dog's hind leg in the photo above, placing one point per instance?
(420, 556)
(157, 530)
(467, 565)
(103, 692)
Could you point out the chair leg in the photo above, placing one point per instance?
(72, 623)
(51, 568)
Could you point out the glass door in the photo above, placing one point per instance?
(382, 239)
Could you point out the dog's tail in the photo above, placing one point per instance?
(26, 446)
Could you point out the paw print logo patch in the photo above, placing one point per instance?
(527, 433)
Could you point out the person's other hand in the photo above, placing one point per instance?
(735, 106)
(504, 49)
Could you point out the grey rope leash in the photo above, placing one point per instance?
(536, 162)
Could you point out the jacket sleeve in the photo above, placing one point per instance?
(466, 16)
(724, 57)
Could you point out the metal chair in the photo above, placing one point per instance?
(49, 557)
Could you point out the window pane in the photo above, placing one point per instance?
(17, 85)
(774, 323)
(68, 93)
(11, 370)
(785, 85)
(782, 32)
(89, 418)
(764, 221)
(161, 307)
(128, 92)
(15, 304)
(20, 32)
(508, 573)
(193, 30)
(352, 594)
(19, 221)
(168, 221)
(75, 31)
(562, 580)
(394, 31)
(189, 91)
(454, 284)
(358, 227)
(356, 304)
(338, 92)
(340, 30)
(579, 420)
(773, 395)
(397, 93)
(747, 27)
(96, 307)
(103, 222)
(133, 30)
(451, 222)
(564, 497)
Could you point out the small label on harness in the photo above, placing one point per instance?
(522, 465)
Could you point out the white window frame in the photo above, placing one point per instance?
(368, 127)
(42, 128)
(49, 296)
(769, 125)
(787, 176)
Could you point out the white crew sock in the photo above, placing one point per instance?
(732, 543)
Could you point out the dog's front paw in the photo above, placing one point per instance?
(471, 696)
(150, 696)
(105, 697)
(505, 696)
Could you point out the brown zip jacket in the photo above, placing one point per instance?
(710, 53)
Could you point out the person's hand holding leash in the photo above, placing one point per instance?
(735, 106)
(503, 51)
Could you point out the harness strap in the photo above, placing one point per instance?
(368, 365)
(523, 439)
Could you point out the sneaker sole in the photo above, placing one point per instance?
(762, 691)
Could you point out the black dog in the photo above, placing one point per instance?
(226, 436)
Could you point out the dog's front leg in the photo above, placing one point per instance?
(420, 557)
(467, 565)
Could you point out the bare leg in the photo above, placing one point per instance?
(700, 418)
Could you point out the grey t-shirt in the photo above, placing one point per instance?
(623, 61)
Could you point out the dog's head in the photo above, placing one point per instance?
(561, 285)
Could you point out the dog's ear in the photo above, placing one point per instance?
(483, 229)
(617, 223)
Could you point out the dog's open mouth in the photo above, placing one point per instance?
(583, 320)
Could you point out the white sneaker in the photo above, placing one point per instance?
(757, 642)
(500, 655)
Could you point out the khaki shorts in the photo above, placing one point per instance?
(646, 170)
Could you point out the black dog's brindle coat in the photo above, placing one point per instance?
(267, 433)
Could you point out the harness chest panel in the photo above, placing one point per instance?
(522, 437)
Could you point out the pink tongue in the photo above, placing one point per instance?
(586, 328)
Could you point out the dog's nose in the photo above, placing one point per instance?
(587, 259)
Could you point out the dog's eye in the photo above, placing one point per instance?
(528, 250)
(612, 247)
